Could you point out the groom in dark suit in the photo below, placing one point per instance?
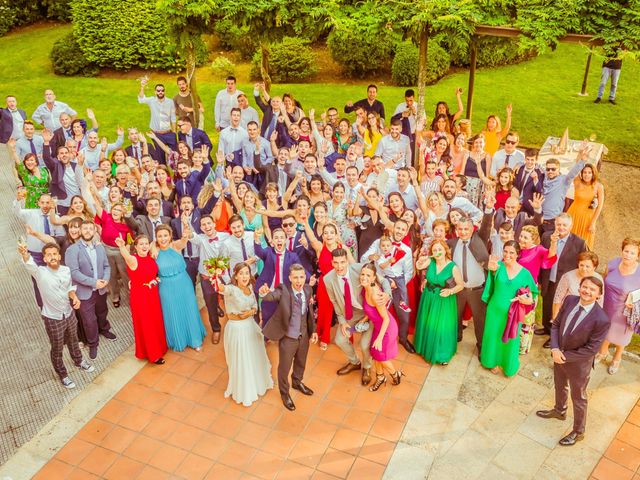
(293, 326)
(576, 335)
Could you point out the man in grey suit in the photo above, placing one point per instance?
(293, 326)
(343, 287)
(576, 335)
(90, 273)
(147, 224)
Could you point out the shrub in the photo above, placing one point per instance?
(361, 53)
(222, 67)
(8, 16)
(67, 58)
(14, 13)
(123, 34)
(236, 39)
(404, 70)
(291, 60)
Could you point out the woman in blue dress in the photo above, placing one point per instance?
(182, 321)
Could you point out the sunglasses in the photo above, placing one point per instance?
(511, 142)
(288, 224)
(552, 169)
(160, 91)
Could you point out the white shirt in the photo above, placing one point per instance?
(35, 219)
(466, 206)
(404, 266)
(208, 249)
(231, 139)
(18, 124)
(412, 117)
(475, 272)
(389, 149)
(71, 184)
(50, 118)
(54, 286)
(232, 248)
(247, 115)
(585, 311)
(499, 159)
(163, 113)
(225, 101)
(303, 307)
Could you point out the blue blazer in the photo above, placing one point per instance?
(306, 255)
(268, 256)
(6, 123)
(199, 138)
(78, 261)
(192, 184)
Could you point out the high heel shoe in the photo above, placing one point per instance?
(613, 368)
(396, 377)
(380, 380)
(599, 357)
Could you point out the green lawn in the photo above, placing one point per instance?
(543, 92)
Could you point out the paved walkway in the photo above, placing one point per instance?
(31, 392)
(173, 421)
(470, 424)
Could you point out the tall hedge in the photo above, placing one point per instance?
(404, 70)
(14, 13)
(123, 34)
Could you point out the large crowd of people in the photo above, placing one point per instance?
(399, 230)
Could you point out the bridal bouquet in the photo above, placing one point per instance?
(216, 266)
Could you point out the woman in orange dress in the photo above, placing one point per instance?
(588, 201)
(493, 133)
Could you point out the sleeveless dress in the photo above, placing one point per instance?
(247, 362)
(389, 341)
(182, 321)
(581, 213)
(616, 289)
(436, 337)
(146, 311)
(474, 183)
(498, 292)
(325, 307)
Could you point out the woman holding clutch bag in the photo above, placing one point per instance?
(621, 278)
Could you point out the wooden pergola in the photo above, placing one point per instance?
(511, 32)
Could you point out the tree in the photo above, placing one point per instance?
(272, 20)
(187, 20)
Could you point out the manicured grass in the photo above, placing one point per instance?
(543, 92)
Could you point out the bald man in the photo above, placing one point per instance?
(511, 213)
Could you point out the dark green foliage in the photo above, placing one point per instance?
(236, 39)
(14, 13)
(361, 52)
(404, 69)
(291, 60)
(124, 34)
(493, 52)
(67, 59)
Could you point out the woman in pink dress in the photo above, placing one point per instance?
(384, 339)
(621, 278)
(533, 257)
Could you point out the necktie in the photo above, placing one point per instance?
(276, 280)
(47, 227)
(184, 186)
(299, 297)
(137, 150)
(291, 244)
(155, 225)
(244, 251)
(572, 323)
(33, 147)
(506, 160)
(67, 133)
(464, 261)
(348, 306)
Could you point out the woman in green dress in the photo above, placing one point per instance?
(503, 282)
(436, 338)
(33, 177)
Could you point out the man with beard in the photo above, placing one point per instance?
(449, 190)
(93, 151)
(57, 313)
(90, 272)
(183, 102)
(66, 176)
(163, 118)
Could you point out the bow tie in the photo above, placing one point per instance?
(395, 244)
(213, 239)
(387, 255)
(340, 176)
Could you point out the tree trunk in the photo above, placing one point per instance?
(583, 91)
(422, 84)
(472, 76)
(191, 80)
(264, 66)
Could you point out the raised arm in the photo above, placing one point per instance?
(159, 142)
(313, 240)
(130, 260)
(458, 114)
(507, 125)
(237, 203)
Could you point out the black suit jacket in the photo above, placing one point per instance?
(6, 123)
(267, 113)
(143, 226)
(198, 139)
(478, 245)
(58, 139)
(568, 259)
(581, 345)
(529, 188)
(176, 224)
(278, 325)
(269, 172)
(522, 219)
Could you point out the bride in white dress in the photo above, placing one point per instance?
(247, 361)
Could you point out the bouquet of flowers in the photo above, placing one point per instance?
(216, 266)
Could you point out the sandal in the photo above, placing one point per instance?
(613, 368)
(116, 303)
(495, 370)
(396, 377)
(380, 380)
(323, 346)
(599, 357)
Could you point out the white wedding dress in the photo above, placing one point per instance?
(247, 361)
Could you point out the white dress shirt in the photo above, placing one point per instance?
(404, 266)
(54, 286)
(225, 101)
(232, 248)
(35, 219)
(208, 249)
(499, 159)
(475, 272)
(50, 118)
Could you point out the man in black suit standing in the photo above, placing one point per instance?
(569, 246)
(576, 335)
(11, 120)
(190, 253)
(293, 326)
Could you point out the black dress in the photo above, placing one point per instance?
(368, 232)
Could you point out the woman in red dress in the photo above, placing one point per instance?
(323, 251)
(146, 312)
